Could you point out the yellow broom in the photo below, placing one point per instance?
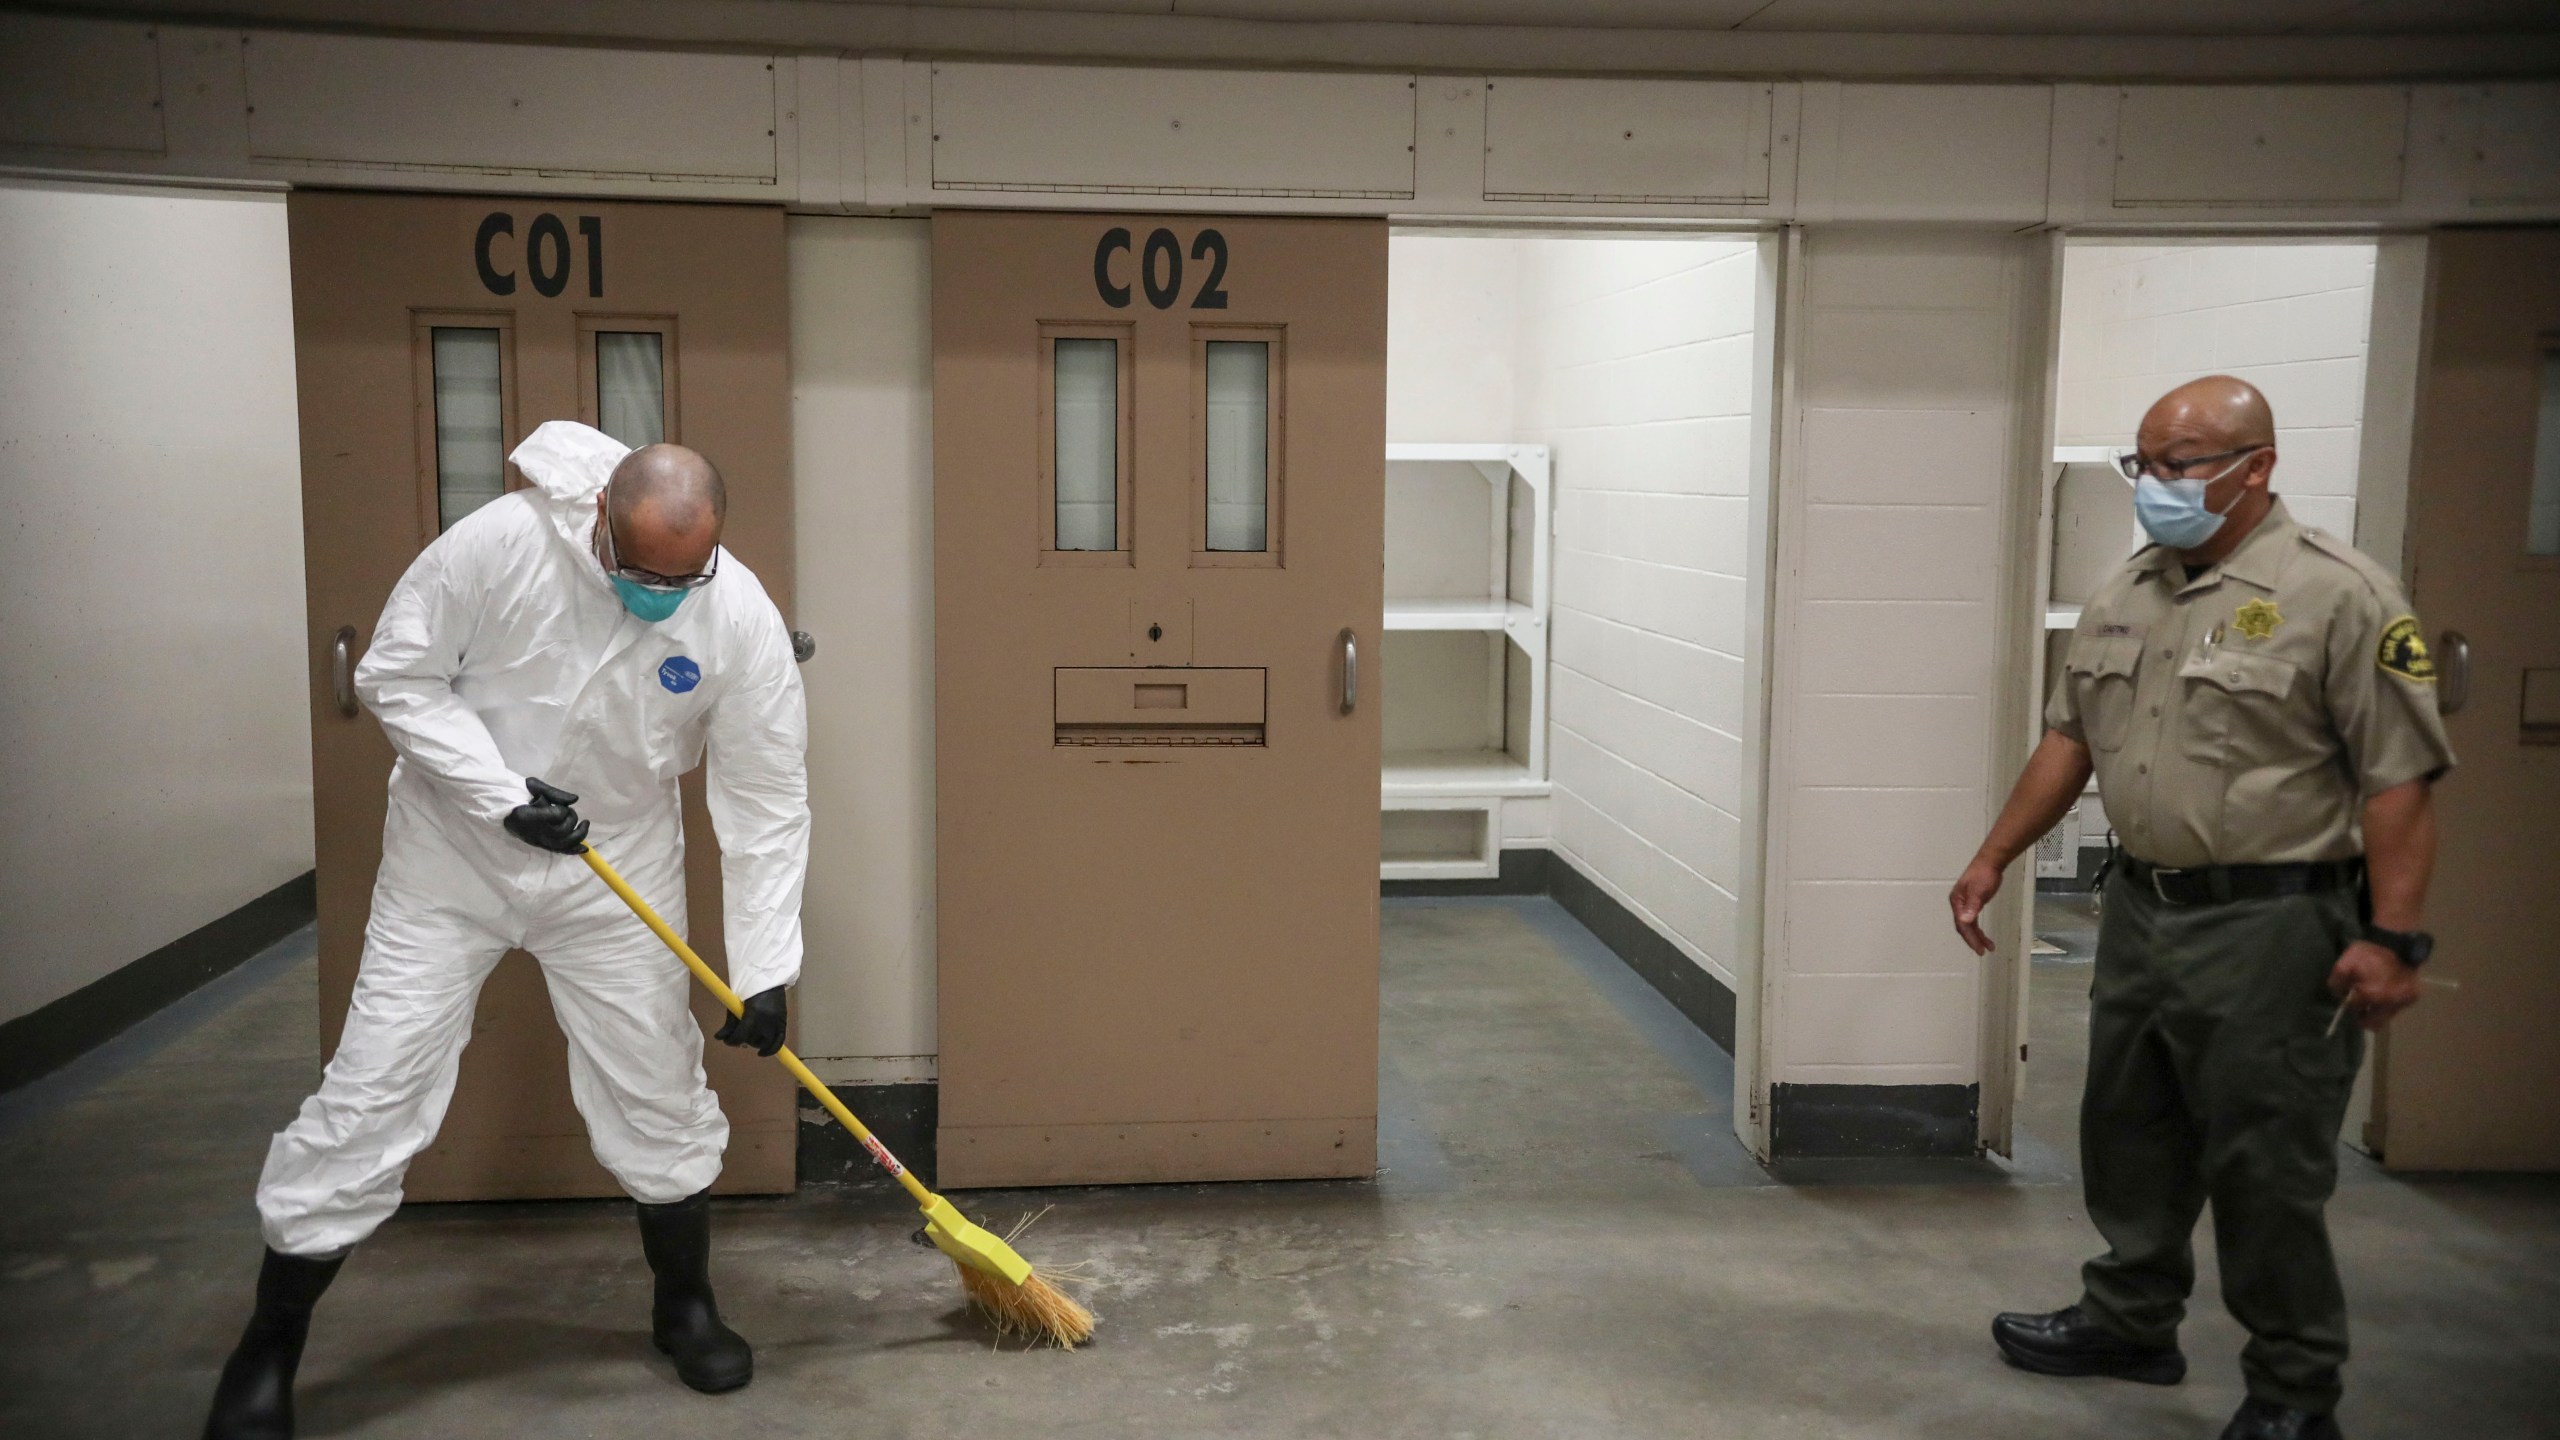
(1019, 1297)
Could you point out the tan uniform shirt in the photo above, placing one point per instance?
(2243, 717)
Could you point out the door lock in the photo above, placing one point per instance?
(1155, 632)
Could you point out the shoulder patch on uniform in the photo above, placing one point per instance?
(2258, 619)
(2403, 651)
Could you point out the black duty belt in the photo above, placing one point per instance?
(2221, 884)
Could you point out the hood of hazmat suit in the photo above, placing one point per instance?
(504, 652)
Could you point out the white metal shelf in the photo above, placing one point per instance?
(1510, 547)
(1495, 454)
(2086, 454)
(1458, 773)
(1519, 621)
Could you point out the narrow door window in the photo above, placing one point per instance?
(1085, 454)
(631, 386)
(1237, 465)
(2542, 521)
(471, 460)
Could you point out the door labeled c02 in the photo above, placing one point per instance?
(431, 333)
(1158, 541)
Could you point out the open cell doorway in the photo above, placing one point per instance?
(1575, 488)
(2298, 319)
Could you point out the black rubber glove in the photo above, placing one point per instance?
(759, 1027)
(548, 823)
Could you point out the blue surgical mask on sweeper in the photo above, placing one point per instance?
(650, 605)
(2173, 512)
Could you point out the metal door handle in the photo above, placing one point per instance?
(1350, 671)
(803, 646)
(2453, 688)
(342, 669)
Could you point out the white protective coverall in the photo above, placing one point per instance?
(504, 652)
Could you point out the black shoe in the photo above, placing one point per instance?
(685, 1321)
(2266, 1420)
(2068, 1342)
(254, 1400)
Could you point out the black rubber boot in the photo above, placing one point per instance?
(685, 1321)
(254, 1400)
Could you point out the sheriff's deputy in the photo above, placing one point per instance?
(2261, 713)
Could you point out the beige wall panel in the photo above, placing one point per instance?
(862, 467)
(1130, 131)
(826, 126)
(361, 101)
(2260, 146)
(76, 85)
(2517, 155)
(1627, 140)
(1939, 152)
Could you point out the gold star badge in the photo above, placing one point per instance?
(2258, 619)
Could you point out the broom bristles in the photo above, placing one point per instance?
(1036, 1309)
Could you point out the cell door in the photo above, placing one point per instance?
(1158, 545)
(2465, 1081)
(430, 334)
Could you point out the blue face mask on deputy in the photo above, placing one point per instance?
(649, 604)
(2174, 513)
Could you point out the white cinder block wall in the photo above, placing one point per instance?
(1632, 359)
(2291, 319)
(155, 729)
(1886, 671)
(1634, 365)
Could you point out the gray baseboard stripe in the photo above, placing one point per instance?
(1810, 1121)
(903, 1116)
(50, 1036)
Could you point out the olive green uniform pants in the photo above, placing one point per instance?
(2212, 1075)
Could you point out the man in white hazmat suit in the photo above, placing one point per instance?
(588, 632)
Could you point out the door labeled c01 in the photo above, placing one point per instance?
(1158, 541)
(431, 333)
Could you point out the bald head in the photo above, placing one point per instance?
(2217, 430)
(2218, 412)
(665, 504)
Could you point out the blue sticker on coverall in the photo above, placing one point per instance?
(679, 674)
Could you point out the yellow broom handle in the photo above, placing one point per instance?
(711, 980)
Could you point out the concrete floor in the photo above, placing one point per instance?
(1566, 1242)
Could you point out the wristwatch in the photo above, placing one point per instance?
(2412, 946)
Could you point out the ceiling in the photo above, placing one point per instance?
(1871, 17)
(2038, 40)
